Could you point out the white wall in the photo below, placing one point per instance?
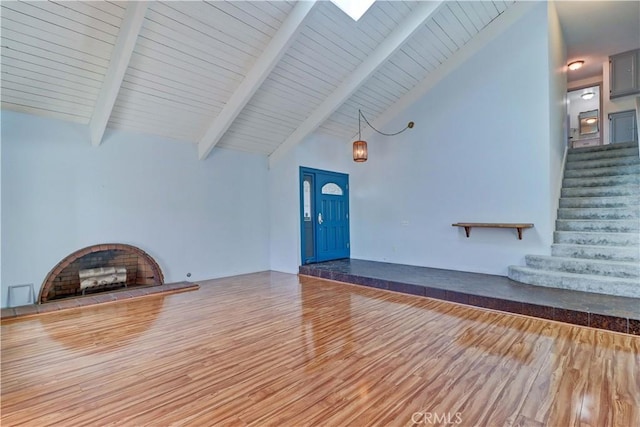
(480, 152)
(1, 215)
(638, 116)
(558, 129)
(59, 194)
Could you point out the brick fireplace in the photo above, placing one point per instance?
(63, 280)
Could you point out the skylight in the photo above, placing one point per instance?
(354, 8)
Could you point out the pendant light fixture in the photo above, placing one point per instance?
(360, 152)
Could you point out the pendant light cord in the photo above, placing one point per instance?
(360, 114)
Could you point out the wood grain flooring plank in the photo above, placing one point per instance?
(276, 349)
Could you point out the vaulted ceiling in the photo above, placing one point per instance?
(245, 75)
(255, 76)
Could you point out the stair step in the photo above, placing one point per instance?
(599, 213)
(612, 253)
(585, 266)
(599, 202)
(578, 282)
(606, 147)
(602, 181)
(596, 238)
(601, 154)
(612, 191)
(606, 171)
(602, 163)
(612, 226)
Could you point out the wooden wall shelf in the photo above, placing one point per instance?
(468, 225)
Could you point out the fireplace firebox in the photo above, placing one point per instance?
(135, 268)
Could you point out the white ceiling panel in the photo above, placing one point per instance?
(55, 56)
(190, 58)
(440, 37)
(327, 50)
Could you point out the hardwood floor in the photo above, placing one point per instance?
(274, 349)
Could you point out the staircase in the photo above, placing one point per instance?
(597, 239)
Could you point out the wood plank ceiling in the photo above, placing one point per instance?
(190, 57)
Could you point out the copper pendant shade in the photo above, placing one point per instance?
(360, 152)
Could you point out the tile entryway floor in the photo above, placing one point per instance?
(620, 314)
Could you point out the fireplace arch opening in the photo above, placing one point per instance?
(63, 281)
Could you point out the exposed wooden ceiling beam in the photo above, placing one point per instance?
(255, 77)
(126, 41)
(351, 84)
(478, 42)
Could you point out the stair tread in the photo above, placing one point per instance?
(600, 238)
(603, 181)
(602, 163)
(597, 187)
(579, 245)
(595, 237)
(610, 191)
(602, 208)
(609, 285)
(621, 175)
(626, 184)
(628, 155)
(604, 147)
(596, 232)
(608, 221)
(611, 152)
(602, 169)
(621, 201)
(618, 198)
(555, 273)
(612, 225)
(599, 233)
(607, 151)
(587, 260)
(625, 154)
(597, 214)
(598, 252)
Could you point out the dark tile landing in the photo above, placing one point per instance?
(97, 298)
(613, 313)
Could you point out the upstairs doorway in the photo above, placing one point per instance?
(585, 116)
(324, 215)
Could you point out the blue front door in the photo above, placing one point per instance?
(324, 215)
